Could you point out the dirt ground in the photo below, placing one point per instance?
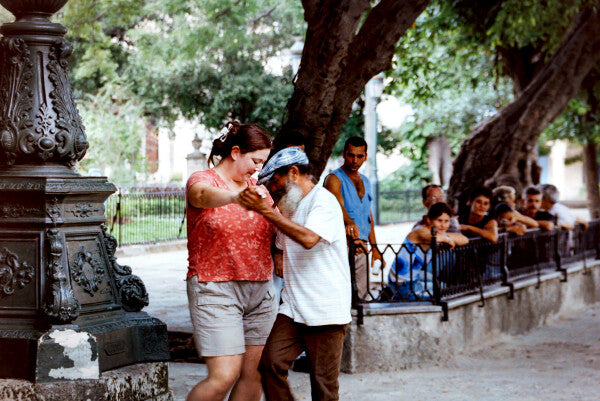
(559, 361)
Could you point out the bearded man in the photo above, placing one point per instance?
(316, 299)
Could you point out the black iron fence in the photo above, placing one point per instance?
(154, 214)
(146, 215)
(436, 274)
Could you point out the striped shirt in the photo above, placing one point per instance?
(317, 280)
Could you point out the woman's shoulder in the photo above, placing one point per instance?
(208, 177)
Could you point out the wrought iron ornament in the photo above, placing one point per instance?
(16, 99)
(60, 305)
(84, 261)
(130, 288)
(13, 273)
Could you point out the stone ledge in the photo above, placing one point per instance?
(393, 308)
(140, 382)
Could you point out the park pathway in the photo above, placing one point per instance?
(559, 361)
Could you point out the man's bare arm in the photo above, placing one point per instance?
(334, 185)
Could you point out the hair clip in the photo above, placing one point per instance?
(223, 134)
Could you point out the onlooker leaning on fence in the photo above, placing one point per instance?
(478, 221)
(506, 194)
(532, 196)
(316, 299)
(230, 267)
(410, 277)
(430, 195)
(352, 191)
(506, 219)
(564, 217)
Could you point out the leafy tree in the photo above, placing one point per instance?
(116, 148)
(547, 48)
(346, 43)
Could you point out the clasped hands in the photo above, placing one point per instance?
(253, 198)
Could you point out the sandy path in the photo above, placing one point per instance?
(560, 361)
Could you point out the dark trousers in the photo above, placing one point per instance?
(287, 340)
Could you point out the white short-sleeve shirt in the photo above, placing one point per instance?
(317, 288)
(563, 214)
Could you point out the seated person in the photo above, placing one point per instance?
(415, 255)
(507, 195)
(507, 220)
(430, 195)
(533, 203)
(564, 217)
(477, 221)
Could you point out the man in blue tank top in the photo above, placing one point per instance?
(352, 191)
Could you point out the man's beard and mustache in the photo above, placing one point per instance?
(289, 202)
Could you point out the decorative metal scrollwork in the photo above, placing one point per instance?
(13, 273)
(78, 271)
(16, 99)
(60, 304)
(131, 289)
(83, 210)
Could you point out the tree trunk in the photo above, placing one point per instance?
(590, 163)
(504, 145)
(337, 61)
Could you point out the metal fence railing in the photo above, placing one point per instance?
(400, 206)
(438, 274)
(152, 214)
(146, 215)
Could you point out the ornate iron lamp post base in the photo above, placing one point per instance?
(58, 272)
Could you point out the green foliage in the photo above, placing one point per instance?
(413, 176)
(5, 16)
(203, 59)
(450, 87)
(355, 126)
(115, 129)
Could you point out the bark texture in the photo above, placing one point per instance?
(590, 163)
(340, 56)
(504, 146)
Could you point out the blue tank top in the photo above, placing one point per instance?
(358, 209)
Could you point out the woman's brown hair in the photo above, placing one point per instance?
(248, 137)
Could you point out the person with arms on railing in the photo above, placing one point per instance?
(229, 285)
(532, 196)
(477, 221)
(564, 217)
(507, 221)
(430, 195)
(353, 192)
(316, 299)
(414, 257)
(507, 195)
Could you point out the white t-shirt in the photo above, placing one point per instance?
(317, 288)
(563, 214)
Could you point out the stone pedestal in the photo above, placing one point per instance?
(196, 160)
(141, 382)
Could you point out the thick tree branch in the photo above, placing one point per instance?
(501, 146)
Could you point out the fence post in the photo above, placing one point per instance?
(119, 217)
(504, 267)
(437, 296)
(557, 256)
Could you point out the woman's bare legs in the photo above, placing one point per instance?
(222, 373)
(249, 387)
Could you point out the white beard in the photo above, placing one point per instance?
(289, 202)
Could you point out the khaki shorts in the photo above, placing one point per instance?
(229, 315)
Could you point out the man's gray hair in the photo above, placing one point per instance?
(550, 192)
(503, 193)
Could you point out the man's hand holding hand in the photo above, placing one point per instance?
(254, 198)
